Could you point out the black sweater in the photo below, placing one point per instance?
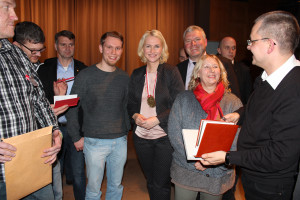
(269, 142)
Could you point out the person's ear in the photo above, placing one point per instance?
(272, 45)
(17, 44)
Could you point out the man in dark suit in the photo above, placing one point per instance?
(64, 66)
(227, 49)
(195, 43)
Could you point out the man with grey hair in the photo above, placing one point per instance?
(268, 144)
(195, 43)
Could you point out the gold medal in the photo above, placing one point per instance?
(150, 98)
(151, 101)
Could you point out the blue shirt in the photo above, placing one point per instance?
(62, 73)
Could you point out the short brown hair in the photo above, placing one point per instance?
(281, 26)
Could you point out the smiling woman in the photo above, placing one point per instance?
(152, 90)
(208, 98)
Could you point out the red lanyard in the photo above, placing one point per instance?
(148, 88)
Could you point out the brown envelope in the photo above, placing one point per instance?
(27, 172)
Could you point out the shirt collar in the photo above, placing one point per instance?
(276, 77)
(71, 65)
(5, 45)
(191, 62)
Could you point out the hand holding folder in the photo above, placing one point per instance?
(27, 172)
(215, 136)
(211, 136)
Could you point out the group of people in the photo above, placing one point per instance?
(159, 100)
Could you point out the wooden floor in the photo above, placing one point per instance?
(134, 181)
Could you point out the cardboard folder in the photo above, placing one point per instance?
(27, 172)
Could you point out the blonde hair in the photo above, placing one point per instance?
(155, 33)
(195, 80)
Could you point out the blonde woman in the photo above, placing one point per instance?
(208, 97)
(152, 91)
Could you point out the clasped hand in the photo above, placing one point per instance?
(144, 122)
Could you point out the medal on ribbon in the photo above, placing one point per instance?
(151, 101)
(150, 98)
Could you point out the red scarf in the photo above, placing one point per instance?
(211, 102)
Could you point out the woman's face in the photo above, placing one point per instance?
(209, 73)
(152, 49)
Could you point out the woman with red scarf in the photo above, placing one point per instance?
(208, 98)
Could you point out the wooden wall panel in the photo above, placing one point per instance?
(172, 26)
(140, 16)
(235, 18)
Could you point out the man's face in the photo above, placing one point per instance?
(65, 47)
(195, 44)
(111, 50)
(33, 51)
(7, 18)
(258, 48)
(182, 55)
(228, 48)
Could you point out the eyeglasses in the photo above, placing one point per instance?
(33, 51)
(250, 42)
(189, 41)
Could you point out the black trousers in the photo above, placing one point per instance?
(266, 189)
(155, 157)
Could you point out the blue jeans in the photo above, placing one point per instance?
(75, 160)
(97, 152)
(45, 193)
(56, 181)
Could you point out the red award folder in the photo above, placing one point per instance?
(215, 136)
(69, 102)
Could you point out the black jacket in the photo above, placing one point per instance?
(48, 74)
(168, 85)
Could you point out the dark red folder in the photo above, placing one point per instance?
(69, 102)
(216, 137)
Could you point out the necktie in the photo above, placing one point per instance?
(194, 63)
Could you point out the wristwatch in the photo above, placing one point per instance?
(227, 159)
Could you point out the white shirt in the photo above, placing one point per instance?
(189, 72)
(276, 77)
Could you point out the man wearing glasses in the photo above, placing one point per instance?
(30, 38)
(64, 66)
(268, 144)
